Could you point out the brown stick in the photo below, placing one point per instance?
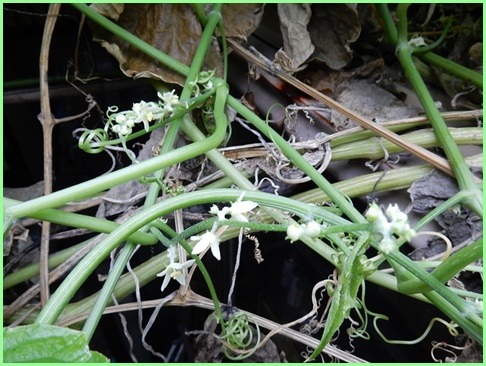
(48, 122)
(424, 154)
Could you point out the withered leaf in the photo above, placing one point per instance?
(297, 44)
(332, 28)
(172, 28)
(240, 20)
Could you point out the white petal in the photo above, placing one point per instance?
(166, 282)
(163, 273)
(239, 217)
(180, 278)
(214, 210)
(215, 250)
(200, 247)
(188, 264)
(243, 206)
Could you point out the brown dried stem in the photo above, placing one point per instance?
(48, 122)
(431, 158)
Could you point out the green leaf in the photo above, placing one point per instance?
(47, 343)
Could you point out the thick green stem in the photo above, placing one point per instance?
(107, 291)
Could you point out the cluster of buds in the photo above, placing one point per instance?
(392, 222)
(145, 112)
(296, 231)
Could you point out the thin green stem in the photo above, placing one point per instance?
(298, 160)
(452, 201)
(453, 68)
(463, 175)
(448, 269)
(448, 66)
(75, 220)
(447, 301)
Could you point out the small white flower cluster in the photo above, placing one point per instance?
(296, 231)
(398, 225)
(174, 269)
(144, 112)
(237, 211)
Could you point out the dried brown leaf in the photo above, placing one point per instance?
(332, 28)
(172, 28)
(297, 43)
(240, 20)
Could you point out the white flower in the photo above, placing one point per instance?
(237, 210)
(206, 240)
(169, 98)
(147, 112)
(294, 232)
(174, 270)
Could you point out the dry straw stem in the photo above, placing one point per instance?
(424, 154)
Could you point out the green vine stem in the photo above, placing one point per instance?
(104, 295)
(400, 178)
(463, 175)
(76, 278)
(169, 140)
(86, 189)
(453, 68)
(71, 219)
(448, 66)
(448, 268)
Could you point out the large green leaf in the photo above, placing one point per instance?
(47, 343)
